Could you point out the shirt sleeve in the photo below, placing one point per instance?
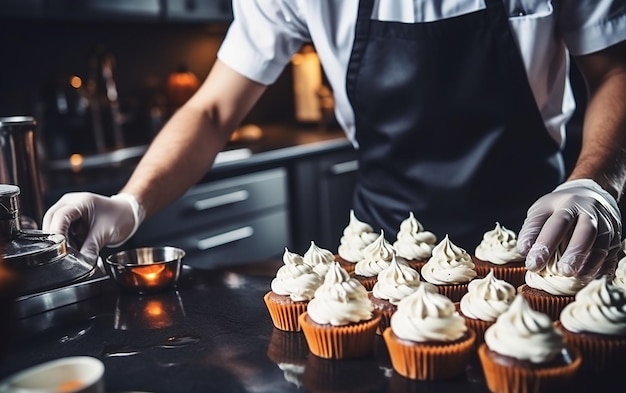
(262, 38)
(588, 26)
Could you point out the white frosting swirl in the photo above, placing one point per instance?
(397, 281)
(427, 316)
(487, 298)
(600, 307)
(356, 236)
(498, 246)
(295, 278)
(449, 264)
(376, 257)
(523, 333)
(620, 274)
(413, 242)
(318, 258)
(550, 280)
(340, 300)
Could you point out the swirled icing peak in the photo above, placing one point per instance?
(356, 236)
(499, 246)
(487, 298)
(599, 307)
(376, 257)
(425, 316)
(295, 278)
(413, 242)
(523, 333)
(318, 258)
(550, 280)
(620, 274)
(340, 300)
(449, 264)
(397, 281)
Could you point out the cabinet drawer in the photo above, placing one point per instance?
(216, 202)
(259, 238)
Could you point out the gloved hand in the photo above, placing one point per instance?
(97, 221)
(580, 219)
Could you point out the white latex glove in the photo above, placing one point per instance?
(580, 219)
(97, 220)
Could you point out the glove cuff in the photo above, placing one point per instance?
(139, 213)
(602, 195)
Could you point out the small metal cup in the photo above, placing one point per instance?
(147, 269)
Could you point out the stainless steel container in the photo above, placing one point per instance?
(19, 166)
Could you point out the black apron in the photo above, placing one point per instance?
(447, 125)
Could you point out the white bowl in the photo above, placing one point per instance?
(77, 374)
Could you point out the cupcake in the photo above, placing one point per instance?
(340, 321)
(394, 283)
(319, 259)
(524, 352)
(498, 252)
(485, 300)
(428, 339)
(356, 236)
(620, 274)
(291, 290)
(595, 323)
(376, 257)
(548, 291)
(413, 243)
(450, 268)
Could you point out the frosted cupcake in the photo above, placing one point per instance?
(595, 323)
(450, 268)
(340, 321)
(356, 236)
(485, 300)
(318, 258)
(498, 252)
(376, 257)
(291, 290)
(548, 291)
(394, 283)
(413, 243)
(524, 352)
(428, 339)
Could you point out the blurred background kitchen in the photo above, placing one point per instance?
(102, 76)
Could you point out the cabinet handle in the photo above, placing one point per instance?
(344, 167)
(224, 238)
(221, 200)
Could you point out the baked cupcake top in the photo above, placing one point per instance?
(318, 258)
(599, 307)
(620, 274)
(498, 246)
(523, 333)
(397, 281)
(340, 300)
(295, 278)
(449, 264)
(550, 280)
(356, 236)
(376, 257)
(413, 242)
(426, 316)
(487, 298)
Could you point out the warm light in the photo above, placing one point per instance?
(154, 308)
(150, 273)
(76, 82)
(76, 161)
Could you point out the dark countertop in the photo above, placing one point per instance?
(212, 334)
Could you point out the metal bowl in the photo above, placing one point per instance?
(147, 269)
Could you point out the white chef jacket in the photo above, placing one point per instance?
(266, 33)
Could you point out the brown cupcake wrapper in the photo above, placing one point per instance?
(340, 342)
(512, 379)
(479, 327)
(346, 265)
(552, 305)
(453, 291)
(367, 282)
(514, 275)
(285, 316)
(429, 362)
(415, 264)
(385, 321)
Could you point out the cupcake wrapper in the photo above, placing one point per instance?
(479, 327)
(427, 362)
(285, 316)
(515, 275)
(340, 342)
(367, 282)
(385, 321)
(546, 303)
(417, 265)
(511, 379)
(346, 265)
(453, 291)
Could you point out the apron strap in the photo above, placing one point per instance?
(361, 35)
